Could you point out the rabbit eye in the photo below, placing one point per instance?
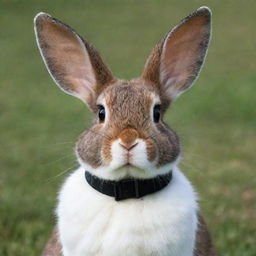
(101, 113)
(156, 113)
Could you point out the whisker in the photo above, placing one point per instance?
(59, 159)
(56, 144)
(61, 143)
(152, 136)
(61, 173)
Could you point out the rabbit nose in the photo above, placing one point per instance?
(128, 138)
(128, 146)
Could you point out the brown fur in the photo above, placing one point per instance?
(204, 245)
(151, 71)
(53, 247)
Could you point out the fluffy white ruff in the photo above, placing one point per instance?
(93, 224)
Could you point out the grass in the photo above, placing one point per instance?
(216, 119)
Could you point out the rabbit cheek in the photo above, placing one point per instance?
(88, 149)
(106, 152)
(169, 149)
(151, 150)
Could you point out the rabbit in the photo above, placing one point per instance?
(128, 197)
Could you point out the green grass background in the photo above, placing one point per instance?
(216, 119)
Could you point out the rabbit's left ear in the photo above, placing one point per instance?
(75, 66)
(175, 63)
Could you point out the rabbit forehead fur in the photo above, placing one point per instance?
(129, 117)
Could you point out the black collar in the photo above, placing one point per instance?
(128, 188)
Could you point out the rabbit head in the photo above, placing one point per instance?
(128, 136)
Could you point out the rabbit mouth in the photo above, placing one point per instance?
(128, 159)
(128, 165)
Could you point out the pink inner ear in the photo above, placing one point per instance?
(69, 61)
(79, 71)
(183, 54)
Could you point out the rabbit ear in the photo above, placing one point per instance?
(75, 66)
(175, 63)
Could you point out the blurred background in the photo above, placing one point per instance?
(216, 119)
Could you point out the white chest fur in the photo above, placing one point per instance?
(161, 224)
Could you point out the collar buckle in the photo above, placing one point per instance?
(122, 189)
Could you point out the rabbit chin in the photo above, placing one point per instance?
(137, 166)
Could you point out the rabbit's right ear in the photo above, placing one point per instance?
(75, 66)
